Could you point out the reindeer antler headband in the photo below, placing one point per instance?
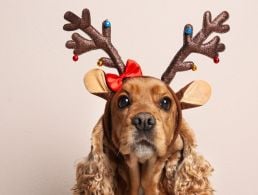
(196, 45)
(102, 41)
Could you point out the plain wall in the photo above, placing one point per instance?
(46, 116)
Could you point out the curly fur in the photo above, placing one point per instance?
(186, 172)
(192, 176)
(94, 175)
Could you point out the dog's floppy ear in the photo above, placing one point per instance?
(94, 174)
(195, 94)
(95, 83)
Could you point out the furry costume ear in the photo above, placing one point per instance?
(95, 83)
(195, 94)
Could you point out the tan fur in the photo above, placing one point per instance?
(112, 167)
(95, 174)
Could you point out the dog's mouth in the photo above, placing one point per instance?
(144, 141)
(143, 149)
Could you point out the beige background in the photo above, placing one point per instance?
(46, 115)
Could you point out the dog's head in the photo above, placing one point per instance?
(143, 116)
(143, 113)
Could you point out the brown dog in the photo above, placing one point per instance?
(142, 145)
(145, 117)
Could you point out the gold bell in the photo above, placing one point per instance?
(100, 63)
(194, 67)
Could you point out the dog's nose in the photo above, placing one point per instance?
(143, 121)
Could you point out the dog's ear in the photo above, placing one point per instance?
(195, 94)
(95, 83)
(95, 174)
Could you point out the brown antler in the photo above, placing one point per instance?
(99, 41)
(196, 45)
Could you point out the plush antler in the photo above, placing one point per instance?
(99, 41)
(196, 45)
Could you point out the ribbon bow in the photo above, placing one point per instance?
(132, 69)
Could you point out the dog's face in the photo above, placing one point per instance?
(144, 116)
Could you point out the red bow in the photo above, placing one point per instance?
(132, 69)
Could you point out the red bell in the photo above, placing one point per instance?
(216, 59)
(75, 58)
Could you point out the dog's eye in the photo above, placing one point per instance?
(165, 103)
(123, 101)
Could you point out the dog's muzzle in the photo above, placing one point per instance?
(144, 121)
